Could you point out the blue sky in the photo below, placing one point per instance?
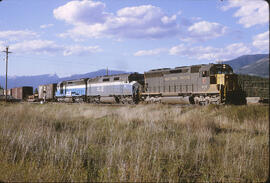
(72, 37)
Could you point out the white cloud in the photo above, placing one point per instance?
(36, 46)
(261, 41)
(149, 52)
(236, 49)
(78, 50)
(82, 31)
(50, 47)
(46, 26)
(211, 53)
(250, 12)
(90, 20)
(12, 35)
(85, 12)
(204, 30)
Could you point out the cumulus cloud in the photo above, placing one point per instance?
(50, 47)
(36, 46)
(204, 30)
(201, 52)
(15, 35)
(249, 12)
(45, 26)
(91, 20)
(78, 33)
(261, 41)
(211, 53)
(145, 21)
(86, 12)
(149, 52)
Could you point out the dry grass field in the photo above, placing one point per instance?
(82, 142)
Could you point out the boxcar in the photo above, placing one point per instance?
(47, 92)
(8, 91)
(22, 93)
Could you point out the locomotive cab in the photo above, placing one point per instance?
(227, 84)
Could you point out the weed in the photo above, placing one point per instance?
(140, 143)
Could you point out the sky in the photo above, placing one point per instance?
(67, 37)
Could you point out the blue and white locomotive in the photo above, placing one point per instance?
(121, 88)
(71, 91)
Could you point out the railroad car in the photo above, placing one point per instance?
(21, 93)
(121, 88)
(72, 90)
(200, 84)
(8, 92)
(47, 92)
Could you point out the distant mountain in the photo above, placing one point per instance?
(35, 81)
(257, 65)
(17, 81)
(259, 68)
(244, 60)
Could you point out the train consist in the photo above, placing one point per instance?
(197, 84)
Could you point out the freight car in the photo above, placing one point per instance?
(200, 84)
(21, 93)
(47, 92)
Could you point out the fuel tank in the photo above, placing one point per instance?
(177, 100)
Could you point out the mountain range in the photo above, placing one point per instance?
(258, 68)
(35, 81)
(257, 65)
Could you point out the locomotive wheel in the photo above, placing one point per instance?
(117, 100)
(191, 100)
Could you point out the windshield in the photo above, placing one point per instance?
(221, 69)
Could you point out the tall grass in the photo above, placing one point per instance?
(81, 142)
